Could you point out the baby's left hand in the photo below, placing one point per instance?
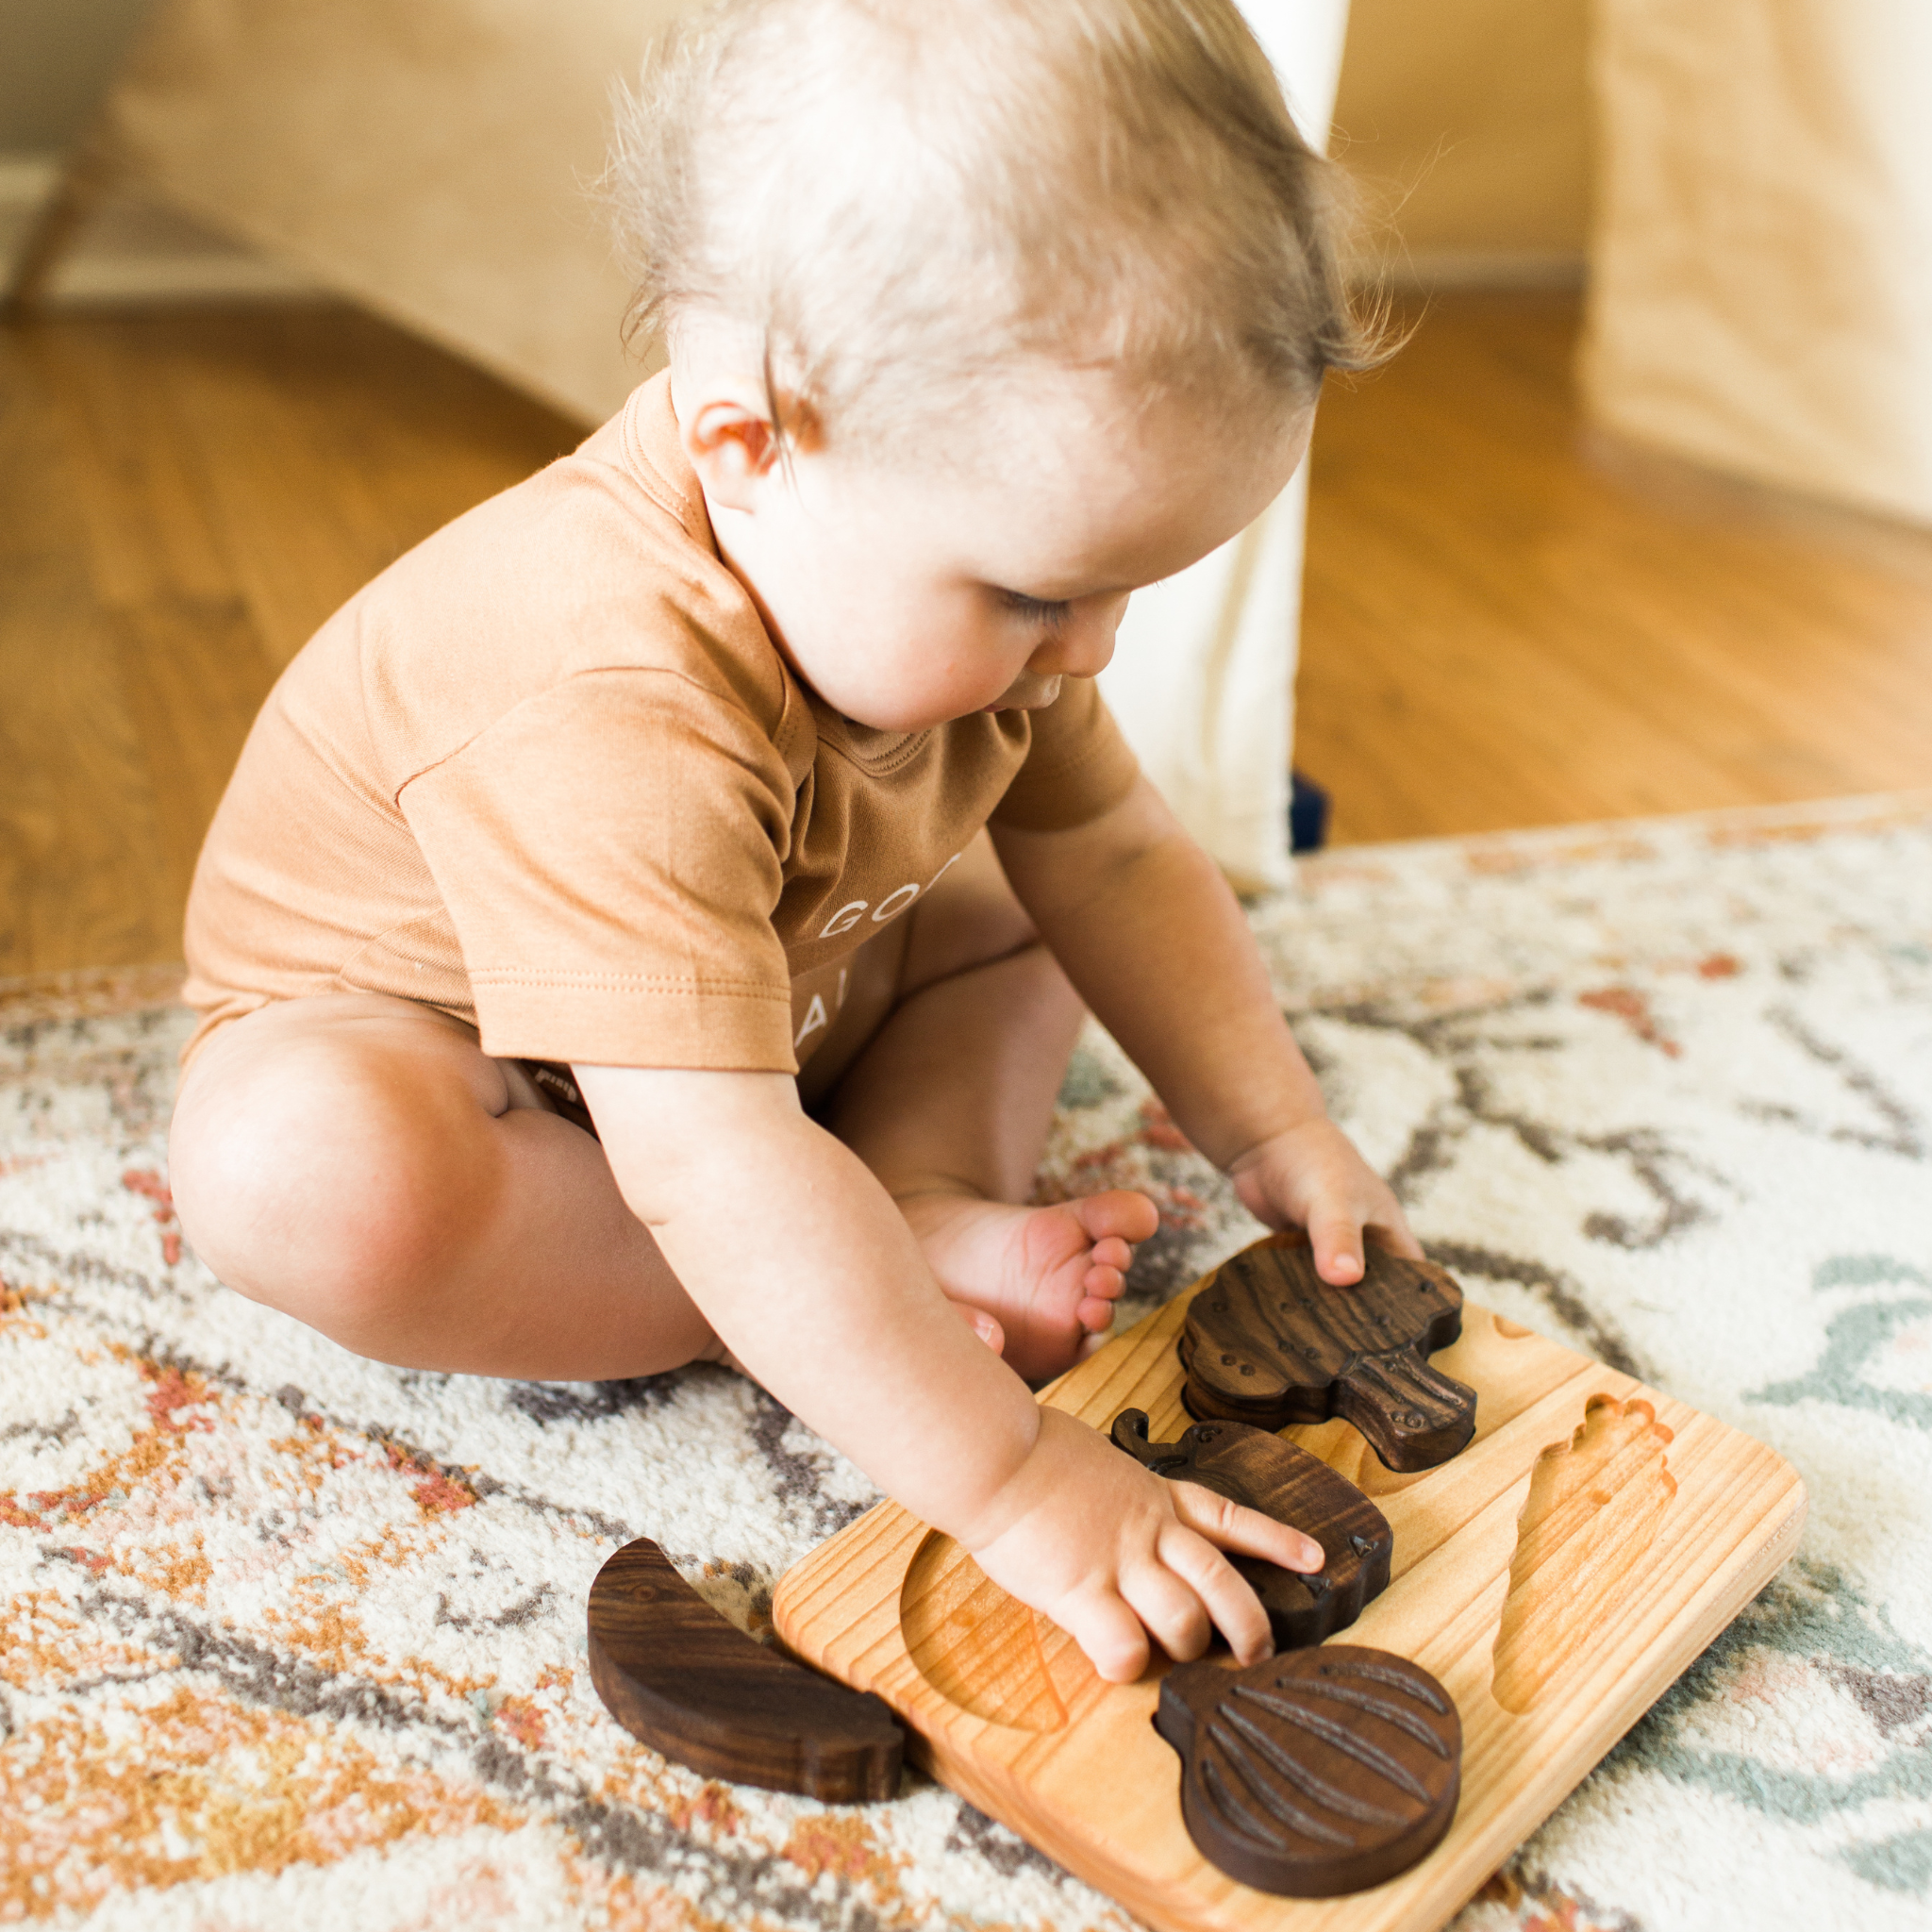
(1312, 1176)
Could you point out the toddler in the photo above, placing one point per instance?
(649, 923)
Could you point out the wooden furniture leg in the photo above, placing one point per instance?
(92, 167)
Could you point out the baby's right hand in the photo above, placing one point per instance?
(1112, 1553)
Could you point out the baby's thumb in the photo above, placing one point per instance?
(1337, 1239)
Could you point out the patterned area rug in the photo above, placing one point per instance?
(292, 1640)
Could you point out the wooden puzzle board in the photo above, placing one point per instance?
(1640, 1536)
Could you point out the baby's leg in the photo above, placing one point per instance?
(360, 1163)
(950, 1105)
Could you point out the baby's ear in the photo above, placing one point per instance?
(732, 442)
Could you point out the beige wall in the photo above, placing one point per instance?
(56, 56)
(1471, 115)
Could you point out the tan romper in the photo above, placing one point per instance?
(549, 773)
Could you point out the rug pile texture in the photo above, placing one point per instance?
(291, 1641)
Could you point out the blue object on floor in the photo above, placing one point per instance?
(1307, 815)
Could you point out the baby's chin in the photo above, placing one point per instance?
(1028, 693)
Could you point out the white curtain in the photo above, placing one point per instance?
(1762, 273)
(1203, 682)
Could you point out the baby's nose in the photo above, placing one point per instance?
(1081, 645)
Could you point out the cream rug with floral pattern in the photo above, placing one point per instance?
(290, 1640)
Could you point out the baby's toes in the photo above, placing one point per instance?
(1104, 1284)
(1122, 1213)
(1112, 1253)
(1096, 1315)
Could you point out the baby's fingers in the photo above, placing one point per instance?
(1101, 1623)
(1234, 1528)
(1397, 1240)
(1209, 1576)
(1171, 1609)
(1336, 1237)
(1339, 1236)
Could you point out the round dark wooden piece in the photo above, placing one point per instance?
(1314, 1774)
(694, 1687)
(1249, 1466)
(1268, 1341)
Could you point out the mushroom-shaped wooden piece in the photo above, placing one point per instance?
(691, 1684)
(1268, 1341)
(1314, 1774)
(1249, 1466)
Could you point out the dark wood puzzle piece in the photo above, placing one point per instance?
(1314, 1774)
(1249, 1466)
(1268, 1341)
(691, 1684)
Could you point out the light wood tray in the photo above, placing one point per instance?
(1556, 1576)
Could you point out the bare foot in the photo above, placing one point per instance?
(1049, 1275)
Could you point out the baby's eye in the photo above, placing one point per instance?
(1035, 610)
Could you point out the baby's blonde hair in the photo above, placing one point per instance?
(894, 199)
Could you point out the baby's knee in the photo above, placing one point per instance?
(321, 1186)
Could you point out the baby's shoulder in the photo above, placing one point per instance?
(584, 576)
(577, 568)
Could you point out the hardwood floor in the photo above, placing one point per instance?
(1503, 626)
(1509, 622)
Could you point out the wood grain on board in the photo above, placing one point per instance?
(889, 1606)
(1595, 1502)
(676, 1674)
(1269, 1342)
(1261, 1471)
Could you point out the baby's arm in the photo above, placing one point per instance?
(1149, 932)
(800, 1262)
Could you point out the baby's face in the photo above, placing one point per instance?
(915, 585)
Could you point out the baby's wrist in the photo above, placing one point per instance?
(1027, 1483)
(1258, 1149)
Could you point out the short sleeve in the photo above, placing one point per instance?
(1077, 765)
(611, 852)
